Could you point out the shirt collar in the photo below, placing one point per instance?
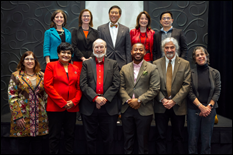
(138, 65)
(97, 62)
(172, 60)
(167, 31)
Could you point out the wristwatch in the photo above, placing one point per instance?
(139, 100)
(211, 106)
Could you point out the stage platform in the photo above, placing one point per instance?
(221, 140)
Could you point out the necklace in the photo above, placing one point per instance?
(30, 75)
(62, 32)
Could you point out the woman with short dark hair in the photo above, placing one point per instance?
(61, 82)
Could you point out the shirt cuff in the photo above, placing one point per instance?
(94, 99)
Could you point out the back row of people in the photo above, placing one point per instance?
(167, 81)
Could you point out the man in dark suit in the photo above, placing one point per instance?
(140, 83)
(117, 38)
(99, 82)
(166, 20)
(175, 78)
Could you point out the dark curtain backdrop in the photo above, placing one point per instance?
(220, 50)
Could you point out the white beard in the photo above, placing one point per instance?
(99, 55)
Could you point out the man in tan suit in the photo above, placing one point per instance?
(140, 83)
(170, 103)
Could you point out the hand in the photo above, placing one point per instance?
(205, 111)
(101, 100)
(69, 104)
(20, 123)
(169, 104)
(133, 103)
(83, 59)
(98, 106)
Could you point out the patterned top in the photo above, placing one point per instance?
(28, 103)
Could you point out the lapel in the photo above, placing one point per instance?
(177, 64)
(54, 33)
(163, 67)
(93, 66)
(28, 82)
(108, 35)
(195, 81)
(142, 69)
(119, 34)
(80, 31)
(131, 74)
(105, 68)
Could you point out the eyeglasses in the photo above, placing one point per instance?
(168, 18)
(27, 59)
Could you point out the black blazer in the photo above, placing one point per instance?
(82, 45)
(215, 89)
(178, 35)
(88, 86)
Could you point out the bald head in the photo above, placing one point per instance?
(99, 41)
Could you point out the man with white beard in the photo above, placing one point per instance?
(175, 78)
(99, 82)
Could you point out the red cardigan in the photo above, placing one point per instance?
(60, 89)
(134, 37)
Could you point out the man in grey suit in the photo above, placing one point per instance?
(175, 78)
(140, 83)
(99, 82)
(117, 38)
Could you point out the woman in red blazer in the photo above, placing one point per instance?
(61, 83)
(143, 34)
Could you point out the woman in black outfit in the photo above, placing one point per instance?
(203, 96)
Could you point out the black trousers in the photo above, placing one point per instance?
(100, 119)
(57, 121)
(135, 125)
(30, 145)
(177, 122)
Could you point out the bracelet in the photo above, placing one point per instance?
(198, 104)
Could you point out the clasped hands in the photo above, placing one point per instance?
(100, 101)
(168, 104)
(133, 103)
(205, 110)
(69, 104)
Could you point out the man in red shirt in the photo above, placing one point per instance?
(99, 82)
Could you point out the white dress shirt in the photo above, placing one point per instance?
(113, 32)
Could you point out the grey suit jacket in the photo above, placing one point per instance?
(88, 86)
(122, 50)
(181, 79)
(215, 84)
(146, 87)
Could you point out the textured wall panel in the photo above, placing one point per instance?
(23, 24)
(190, 16)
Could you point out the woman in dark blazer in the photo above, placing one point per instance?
(83, 38)
(143, 34)
(61, 83)
(55, 35)
(203, 96)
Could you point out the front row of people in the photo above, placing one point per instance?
(160, 88)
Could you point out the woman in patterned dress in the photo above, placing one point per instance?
(27, 100)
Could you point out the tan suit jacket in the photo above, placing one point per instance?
(146, 87)
(181, 80)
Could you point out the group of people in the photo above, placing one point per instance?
(110, 71)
